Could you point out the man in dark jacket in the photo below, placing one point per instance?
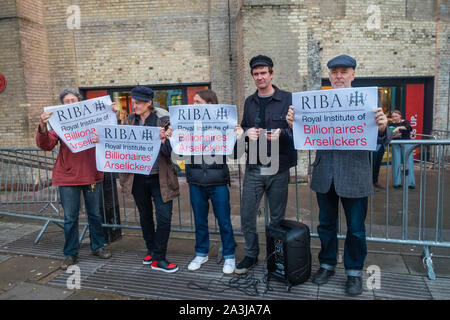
(343, 175)
(266, 171)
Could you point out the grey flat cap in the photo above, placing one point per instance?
(342, 61)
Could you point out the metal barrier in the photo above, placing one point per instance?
(418, 209)
(408, 217)
(441, 134)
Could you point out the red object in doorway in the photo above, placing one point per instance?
(414, 110)
(191, 91)
(91, 94)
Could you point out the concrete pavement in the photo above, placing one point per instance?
(29, 271)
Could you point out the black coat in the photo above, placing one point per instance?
(275, 118)
(204, 175)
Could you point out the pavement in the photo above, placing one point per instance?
(31, 271)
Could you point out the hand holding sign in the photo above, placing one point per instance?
(380, 119)
(290, 116)
(253, 133)
(238, 131)
(203, 129)
(132, 149)
(43, 120)
(336, 119)
(75, 123)
(273, 135)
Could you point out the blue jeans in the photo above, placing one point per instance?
(355, 248)
(220, 199)
(397, 160)
(144, 189)
(70, 201)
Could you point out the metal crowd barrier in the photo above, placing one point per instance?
(441, 134)
(396, 216)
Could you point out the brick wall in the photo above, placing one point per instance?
(131, 42)
(13, 102)
(35, 64)
(25, 65)
(442, 78)
(301, 36)
(125, 43)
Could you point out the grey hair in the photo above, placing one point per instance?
(72, 91)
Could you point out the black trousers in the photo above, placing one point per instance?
(146, 188)
(377, 157)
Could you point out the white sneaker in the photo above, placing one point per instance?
(197, 263)
(229, 266)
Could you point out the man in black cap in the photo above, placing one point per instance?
(344, 175)
(264, 118)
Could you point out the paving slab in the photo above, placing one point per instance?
(21, 268)
(415, 265)
(439, 288)
(4, 258)
(93, 295)
(403, 287)
(125, 277)
(392, 263)
(10, 231)
(33, 291)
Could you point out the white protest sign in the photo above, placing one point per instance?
(203, 129)
(122, 148)
(74, 123)
(336, 119)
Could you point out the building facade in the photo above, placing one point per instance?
(179, 46)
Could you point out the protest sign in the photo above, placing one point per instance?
(203, 129)
(132, 149)
(75, 123)
(336, 119)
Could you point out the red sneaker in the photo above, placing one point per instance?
(164, 266)
(147, 259)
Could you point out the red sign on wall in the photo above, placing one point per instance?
(2, 82)
(414, 110)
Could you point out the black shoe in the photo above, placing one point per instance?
(412, 187)
(397, 186)
(353, 287)
(322, 276)
(164, 266)
(378, 186)
(246, 265)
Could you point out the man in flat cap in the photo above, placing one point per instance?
(264, 118)
(344, 175)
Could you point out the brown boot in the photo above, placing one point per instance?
(67, 262)
(103, 253)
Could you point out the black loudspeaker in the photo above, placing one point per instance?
(288, 252)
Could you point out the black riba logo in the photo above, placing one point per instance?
(356, 99)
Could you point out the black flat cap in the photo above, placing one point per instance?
(261, 61)
(142, 93)
(342, 61)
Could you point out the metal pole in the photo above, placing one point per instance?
(38, 238)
